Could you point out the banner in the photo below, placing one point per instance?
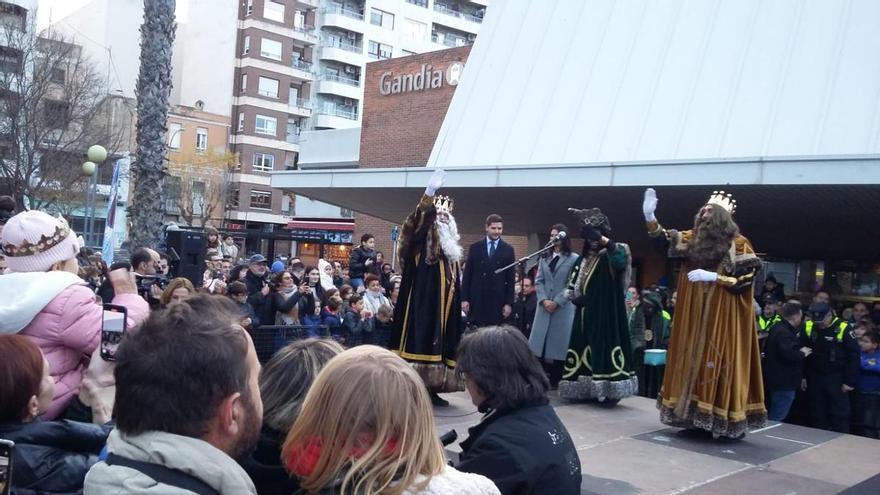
(109, 239)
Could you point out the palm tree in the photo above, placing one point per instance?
(153, 91)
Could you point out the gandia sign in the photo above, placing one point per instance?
(427, 78)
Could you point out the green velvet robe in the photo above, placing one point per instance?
(599, 360)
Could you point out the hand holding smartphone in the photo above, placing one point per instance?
(113, 328)
(6, 448)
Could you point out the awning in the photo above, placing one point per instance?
(314, 225)
(794, 208)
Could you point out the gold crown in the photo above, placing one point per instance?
(444, 203)
(724, 200)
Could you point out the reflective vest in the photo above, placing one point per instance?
(841, 328)
(765, 324)
(666, 315)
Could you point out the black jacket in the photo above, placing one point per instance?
(265, 307)
(53, 456)
(486, 291)
(356, 267)
(265, 468)
(524, 312)
(833, 356)
(783, 360)
(523, 451)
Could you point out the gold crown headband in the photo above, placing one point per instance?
(724, 200)
(444, 203)
(44, 244)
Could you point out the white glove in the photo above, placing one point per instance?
(650, 205)
(435, 182)
(700, 275)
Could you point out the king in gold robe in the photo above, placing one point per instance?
(713, 377)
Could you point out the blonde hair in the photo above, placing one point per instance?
(286, 378)
(177, 283)
(369, 400)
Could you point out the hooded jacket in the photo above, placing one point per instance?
(190, 455)
(57, 311)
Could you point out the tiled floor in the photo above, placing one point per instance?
(626, 450)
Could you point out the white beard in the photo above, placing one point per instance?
(449, 238)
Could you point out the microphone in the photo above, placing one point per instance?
(557, 238)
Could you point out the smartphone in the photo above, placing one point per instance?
(6, 448)
(113, 327)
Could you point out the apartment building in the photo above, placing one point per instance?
(299, 67)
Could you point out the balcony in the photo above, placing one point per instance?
(300, 106)
(342, 51)
(308, 4)
(350, 20)
(340, 86)
(420, 3)
(305, 34)
(293, 137)
(447, 10)
(451, 40)
(302, 69)
(331, 115)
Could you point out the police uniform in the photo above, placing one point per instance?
(833, 363)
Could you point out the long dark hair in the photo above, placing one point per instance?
(566, 241)
(501, 363)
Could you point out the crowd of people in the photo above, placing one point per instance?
(273, 376)
(186, 405)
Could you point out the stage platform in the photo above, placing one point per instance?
(626, 450)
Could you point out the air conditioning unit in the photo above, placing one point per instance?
(352, 36)
(349, 102)
(246, 51)
(350, 70)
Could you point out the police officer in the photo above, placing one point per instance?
(832, 369)
(767, 319)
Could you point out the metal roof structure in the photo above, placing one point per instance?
(777, 101)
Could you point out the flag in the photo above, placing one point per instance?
(109, 240)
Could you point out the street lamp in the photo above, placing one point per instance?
(96, 154)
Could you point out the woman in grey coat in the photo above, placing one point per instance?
(555, 312)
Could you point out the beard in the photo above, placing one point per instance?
(712, 238)
(448, 233)
(250, 434)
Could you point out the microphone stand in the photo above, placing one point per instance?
(522, 261)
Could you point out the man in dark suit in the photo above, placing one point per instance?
(487, 297)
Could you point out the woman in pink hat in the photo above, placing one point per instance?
(42, 298)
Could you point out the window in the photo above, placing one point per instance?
(381, 18)
(246, 45)
(273, 11)
(244, 83)
(261, 199)
(263, 162)
(240, 121)
(10, 60)
(420, 3)
(233, 201)
(268, 87)
(379, 50)
(266, 125)
(171, 193)
(58, 76)
(270, 49)
(249, 9)
(201, 138)
(198, 197)
(174, 132)
(415, 29)
(56, 114)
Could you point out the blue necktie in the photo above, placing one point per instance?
(492, 249)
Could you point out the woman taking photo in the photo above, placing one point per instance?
(367, 428)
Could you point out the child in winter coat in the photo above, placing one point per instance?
(357, 322)
(868, 386)
(45, 300)
(312, 321)
(331, 318)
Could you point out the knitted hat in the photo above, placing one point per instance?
(33, 241)
(277, 267)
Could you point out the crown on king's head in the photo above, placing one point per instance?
(444, 203)
(724, 200)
